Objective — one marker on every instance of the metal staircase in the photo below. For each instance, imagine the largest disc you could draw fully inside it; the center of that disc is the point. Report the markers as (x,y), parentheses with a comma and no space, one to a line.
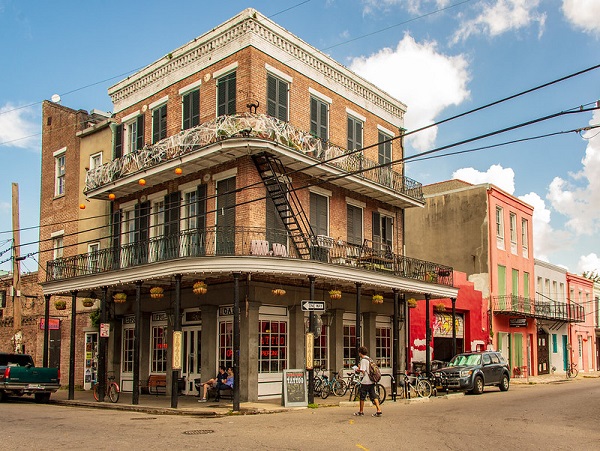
(273,174)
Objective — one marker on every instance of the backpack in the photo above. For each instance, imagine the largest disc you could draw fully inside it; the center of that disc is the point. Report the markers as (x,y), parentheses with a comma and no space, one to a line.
(374,371)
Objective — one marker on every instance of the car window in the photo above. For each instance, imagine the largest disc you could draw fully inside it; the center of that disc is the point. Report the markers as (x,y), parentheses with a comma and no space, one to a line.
(495,358)
(486,359)
(462,360)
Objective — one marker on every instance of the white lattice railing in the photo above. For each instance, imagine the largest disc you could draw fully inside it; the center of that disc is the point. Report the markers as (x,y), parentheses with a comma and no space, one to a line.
(258,126)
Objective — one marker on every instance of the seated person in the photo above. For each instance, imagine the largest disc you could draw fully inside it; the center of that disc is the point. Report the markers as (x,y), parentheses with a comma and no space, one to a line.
(228,385)
(214,382)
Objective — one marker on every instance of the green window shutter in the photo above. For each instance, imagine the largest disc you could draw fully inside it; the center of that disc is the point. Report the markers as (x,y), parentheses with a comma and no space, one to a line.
(376,227)
(501,280)
(277,99)
(172,203)
(515,282)
(118,144)
(271,96)
(191,109)
(554,343)
(323,120)
(314,122)
(354,225)
(318,214)
(201,207)
(318,118)
(221,98)
(384,148)
(354,133)
(159,124)
(226,93)
(140,132)
(282,98)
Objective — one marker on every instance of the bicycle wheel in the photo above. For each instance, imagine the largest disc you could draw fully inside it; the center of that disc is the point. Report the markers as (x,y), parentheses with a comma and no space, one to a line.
(317,385)
(340,388)
(325,391)
(113,392)
(380,392)
(354,393)
(424,388)
(95,391)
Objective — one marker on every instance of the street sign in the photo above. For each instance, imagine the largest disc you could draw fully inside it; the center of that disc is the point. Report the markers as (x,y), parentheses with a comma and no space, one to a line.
(313,306)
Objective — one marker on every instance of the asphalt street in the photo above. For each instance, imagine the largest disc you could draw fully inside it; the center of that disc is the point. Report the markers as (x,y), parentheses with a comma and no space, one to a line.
(555,416)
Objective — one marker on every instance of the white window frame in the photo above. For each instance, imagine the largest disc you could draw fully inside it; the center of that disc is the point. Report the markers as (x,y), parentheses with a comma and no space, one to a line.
(383,323)
(499,227)
(60,171)
(513,232)
(95,160)
(525,237)
(156,324)
(93,251)
(129,142)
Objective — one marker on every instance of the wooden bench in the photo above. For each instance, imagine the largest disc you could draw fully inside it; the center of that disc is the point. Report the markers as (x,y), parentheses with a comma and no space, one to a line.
(157,384)
(224,393)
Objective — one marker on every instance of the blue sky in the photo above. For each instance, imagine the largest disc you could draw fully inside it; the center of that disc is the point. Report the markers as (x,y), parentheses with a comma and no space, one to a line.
(440,57)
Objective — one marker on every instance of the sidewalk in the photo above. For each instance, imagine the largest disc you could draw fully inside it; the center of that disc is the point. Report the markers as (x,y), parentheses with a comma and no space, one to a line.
(556,377)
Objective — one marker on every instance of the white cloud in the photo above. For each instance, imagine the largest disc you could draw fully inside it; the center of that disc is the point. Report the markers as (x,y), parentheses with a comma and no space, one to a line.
(589,263)
(503,178)
(584,14)
(413,6)
(19,127)
(421,77)
(579,197)
(500,17)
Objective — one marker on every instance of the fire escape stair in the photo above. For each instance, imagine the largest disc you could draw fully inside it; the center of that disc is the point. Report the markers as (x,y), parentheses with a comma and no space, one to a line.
(288,206)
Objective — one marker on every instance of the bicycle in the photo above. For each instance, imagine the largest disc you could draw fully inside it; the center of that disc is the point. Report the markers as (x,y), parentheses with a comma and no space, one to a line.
(572,370)
(415,386)
(318,381)
(354,387)
(336,385)
(111,389)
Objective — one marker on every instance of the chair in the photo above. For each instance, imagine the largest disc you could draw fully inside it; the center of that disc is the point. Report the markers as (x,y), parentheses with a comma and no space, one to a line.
(259,247)
(280,250)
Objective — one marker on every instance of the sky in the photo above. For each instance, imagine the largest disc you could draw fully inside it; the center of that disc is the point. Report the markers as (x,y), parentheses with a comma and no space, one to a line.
(439,57)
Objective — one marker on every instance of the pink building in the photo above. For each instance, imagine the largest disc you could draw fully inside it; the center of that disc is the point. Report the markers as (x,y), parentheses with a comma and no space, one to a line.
(582,346)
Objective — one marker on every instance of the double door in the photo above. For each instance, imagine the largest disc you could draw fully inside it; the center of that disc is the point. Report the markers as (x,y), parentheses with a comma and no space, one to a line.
(191,357)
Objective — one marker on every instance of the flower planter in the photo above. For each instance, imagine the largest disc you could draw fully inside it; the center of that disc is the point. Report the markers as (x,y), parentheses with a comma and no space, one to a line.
(412,303)
(377,299)
(60,305)
(278,291)
(439,308)
(88,302)
(156,292)
(335,294)
(200,288)
(120,298)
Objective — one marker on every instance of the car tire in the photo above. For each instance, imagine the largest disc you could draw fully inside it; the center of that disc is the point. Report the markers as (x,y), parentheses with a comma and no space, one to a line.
(504,383)
(477,386)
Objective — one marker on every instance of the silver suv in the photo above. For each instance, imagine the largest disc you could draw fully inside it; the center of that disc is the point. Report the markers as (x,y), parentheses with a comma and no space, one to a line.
(472,371)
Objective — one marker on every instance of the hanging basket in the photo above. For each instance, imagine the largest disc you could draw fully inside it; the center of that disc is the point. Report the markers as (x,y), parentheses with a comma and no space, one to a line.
(200,287)
(60,305)
(412,303)
(278,291)
(157,292)
(88,302)
(439,308)
(120,298)
(335,294)
(377,299)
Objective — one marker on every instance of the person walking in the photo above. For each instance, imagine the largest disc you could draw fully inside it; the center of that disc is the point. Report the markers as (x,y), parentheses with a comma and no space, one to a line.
(367,386)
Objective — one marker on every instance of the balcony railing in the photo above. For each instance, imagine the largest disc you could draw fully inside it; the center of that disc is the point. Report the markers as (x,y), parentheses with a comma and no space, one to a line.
(258,126)
(239,241)
(543,309)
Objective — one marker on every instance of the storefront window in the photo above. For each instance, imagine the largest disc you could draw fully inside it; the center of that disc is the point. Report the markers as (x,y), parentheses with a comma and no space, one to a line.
(383,346)
(320,352)
(159,349)
(272,352)
(226,343)
(349,345)
(128,338)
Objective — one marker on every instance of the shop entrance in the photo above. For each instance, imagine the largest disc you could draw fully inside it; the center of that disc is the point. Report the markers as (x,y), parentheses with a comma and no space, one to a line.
(191,358)
(91,360)
(542,352)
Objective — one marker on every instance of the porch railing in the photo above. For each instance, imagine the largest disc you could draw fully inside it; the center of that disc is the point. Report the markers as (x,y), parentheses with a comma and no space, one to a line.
(244,241)
(543,309)
(258,126)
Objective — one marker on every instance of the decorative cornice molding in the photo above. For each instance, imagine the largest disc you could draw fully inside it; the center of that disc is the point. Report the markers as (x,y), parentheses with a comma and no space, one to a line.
(251,29)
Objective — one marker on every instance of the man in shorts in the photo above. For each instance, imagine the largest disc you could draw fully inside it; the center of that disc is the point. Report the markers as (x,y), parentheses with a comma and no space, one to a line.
(367,386)
(215,382)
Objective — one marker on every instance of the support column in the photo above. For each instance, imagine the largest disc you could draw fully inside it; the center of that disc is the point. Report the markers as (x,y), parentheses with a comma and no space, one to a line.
(395,334)
(72,345)
(102,347)
(176,329)
(453,326)
(45,358)
(427,335)
(357,332)
(407,310)
(135,396)
(236,341)
(311,329)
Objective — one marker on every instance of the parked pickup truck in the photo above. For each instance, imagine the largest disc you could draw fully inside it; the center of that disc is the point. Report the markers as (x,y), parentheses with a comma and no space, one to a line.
(19,376)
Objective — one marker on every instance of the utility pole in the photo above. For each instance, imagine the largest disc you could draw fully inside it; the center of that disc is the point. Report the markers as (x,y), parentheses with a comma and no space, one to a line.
(17,321)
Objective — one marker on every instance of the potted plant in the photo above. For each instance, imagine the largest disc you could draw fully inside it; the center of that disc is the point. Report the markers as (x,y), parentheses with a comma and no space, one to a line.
(439,307)
(95,318)
(156,292)
(278,291)
(335,294)
(377,299)
(88,302)
(60,304)
(200,287)
(412,303)
(120,298)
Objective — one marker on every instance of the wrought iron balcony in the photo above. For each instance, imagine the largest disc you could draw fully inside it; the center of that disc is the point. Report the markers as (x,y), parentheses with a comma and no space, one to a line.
(542,309)
(252,242)
(256,126)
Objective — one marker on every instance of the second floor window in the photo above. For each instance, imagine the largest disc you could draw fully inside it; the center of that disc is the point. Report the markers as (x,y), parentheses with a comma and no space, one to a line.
(319,214)
(385,148)
(60,170)
(355,133)
(96,160)
(159,123)
(319,118)
(129,136)
(525,237)
(354,224)
(277,98)
(499,227)
(58,246)
(226,89)
(382,232)
(191,109)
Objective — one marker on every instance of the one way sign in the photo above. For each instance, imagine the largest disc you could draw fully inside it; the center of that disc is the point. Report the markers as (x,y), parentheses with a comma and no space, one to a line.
(318,306)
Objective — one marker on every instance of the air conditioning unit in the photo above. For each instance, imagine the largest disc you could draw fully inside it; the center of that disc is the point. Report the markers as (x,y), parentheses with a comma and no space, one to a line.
(325,241)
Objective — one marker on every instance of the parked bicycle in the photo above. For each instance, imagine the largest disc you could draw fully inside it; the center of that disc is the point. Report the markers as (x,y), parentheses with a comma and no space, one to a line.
(354,387)
(318,381)
(111,389)
(415,386)
(335,384)
(572,370)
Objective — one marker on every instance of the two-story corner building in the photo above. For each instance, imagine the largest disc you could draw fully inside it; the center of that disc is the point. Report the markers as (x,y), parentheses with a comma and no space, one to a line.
(244,170)
(486,233)
(582,352)
(555,315)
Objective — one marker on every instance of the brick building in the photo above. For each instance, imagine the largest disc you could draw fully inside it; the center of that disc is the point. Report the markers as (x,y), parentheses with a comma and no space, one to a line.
(244,169)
